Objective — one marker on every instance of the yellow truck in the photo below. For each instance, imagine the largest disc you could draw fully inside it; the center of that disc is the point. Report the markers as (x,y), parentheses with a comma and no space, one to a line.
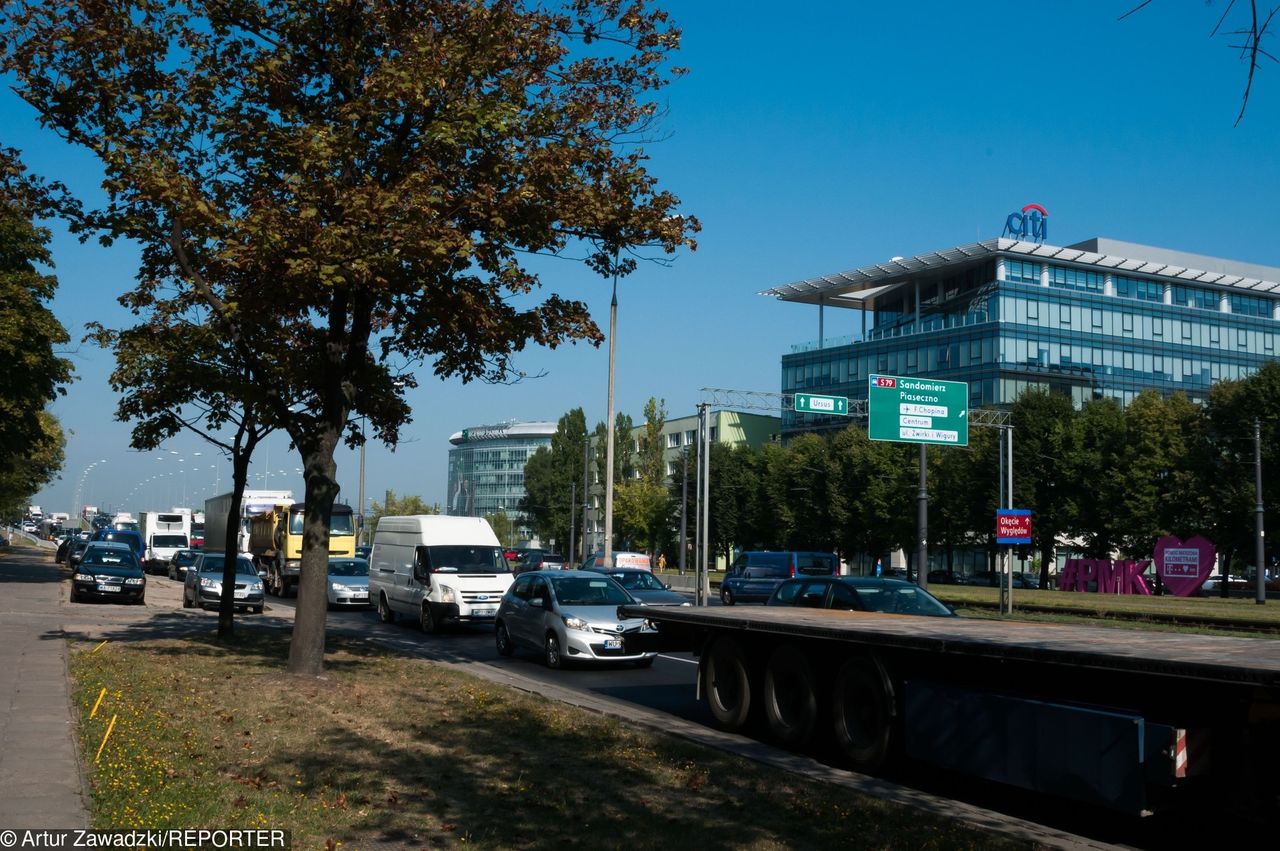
(275,542)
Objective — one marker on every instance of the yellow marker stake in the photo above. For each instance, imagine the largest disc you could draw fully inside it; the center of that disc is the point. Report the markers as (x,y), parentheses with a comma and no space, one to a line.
(99,647)
(110,727)
(101,695)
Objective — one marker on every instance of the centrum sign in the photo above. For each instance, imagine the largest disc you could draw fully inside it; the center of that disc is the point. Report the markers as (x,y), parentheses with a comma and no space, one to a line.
(917,410)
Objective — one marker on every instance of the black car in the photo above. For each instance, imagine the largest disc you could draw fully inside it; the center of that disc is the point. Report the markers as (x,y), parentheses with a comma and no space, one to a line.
(109,571)
(859,594)
(182,559)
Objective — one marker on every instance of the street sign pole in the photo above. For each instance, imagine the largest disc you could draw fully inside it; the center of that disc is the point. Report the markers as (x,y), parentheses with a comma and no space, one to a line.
(922,522)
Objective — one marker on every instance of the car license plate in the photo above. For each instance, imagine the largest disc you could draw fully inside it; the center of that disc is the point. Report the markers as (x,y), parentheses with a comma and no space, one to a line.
(240,595)
(486,612)
(114,589)
(613,644)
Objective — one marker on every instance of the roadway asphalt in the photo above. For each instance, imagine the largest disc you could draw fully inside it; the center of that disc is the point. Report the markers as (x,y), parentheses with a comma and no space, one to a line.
(42,785)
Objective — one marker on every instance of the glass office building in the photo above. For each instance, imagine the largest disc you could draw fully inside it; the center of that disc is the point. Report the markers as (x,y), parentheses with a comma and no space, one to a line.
(486,470)
(1098,318)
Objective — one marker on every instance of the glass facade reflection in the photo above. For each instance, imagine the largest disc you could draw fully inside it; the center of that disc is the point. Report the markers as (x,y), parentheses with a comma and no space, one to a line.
(486,470)
(1085,320)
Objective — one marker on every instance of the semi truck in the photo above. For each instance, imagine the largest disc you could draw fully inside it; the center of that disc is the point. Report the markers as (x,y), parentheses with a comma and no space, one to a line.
(164,533)
(218,508)
(275,542)
(1129,720)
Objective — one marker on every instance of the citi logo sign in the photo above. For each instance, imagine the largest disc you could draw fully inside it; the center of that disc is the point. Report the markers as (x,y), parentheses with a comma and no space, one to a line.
(1031,223)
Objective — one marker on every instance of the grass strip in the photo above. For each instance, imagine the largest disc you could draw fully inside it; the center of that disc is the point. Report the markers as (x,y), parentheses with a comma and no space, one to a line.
(387,750)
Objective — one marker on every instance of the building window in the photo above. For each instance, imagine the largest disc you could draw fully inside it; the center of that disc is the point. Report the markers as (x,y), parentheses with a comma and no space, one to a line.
(1076,279)
(1250,305)
(1033,310)
(689,437)
(1096,316)
(1064,315)
(673,440)
(1021,272)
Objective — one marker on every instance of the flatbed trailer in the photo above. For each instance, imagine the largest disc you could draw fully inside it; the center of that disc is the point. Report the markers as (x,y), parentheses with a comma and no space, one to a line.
(1130,720)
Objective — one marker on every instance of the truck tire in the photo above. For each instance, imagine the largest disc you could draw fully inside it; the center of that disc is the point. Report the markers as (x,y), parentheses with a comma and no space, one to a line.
(385,613)
(728,684)
(862,712)
(790,696)
(428,621)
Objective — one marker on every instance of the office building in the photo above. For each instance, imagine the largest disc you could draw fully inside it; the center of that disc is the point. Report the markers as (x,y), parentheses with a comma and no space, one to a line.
(486,470)
(1100,318)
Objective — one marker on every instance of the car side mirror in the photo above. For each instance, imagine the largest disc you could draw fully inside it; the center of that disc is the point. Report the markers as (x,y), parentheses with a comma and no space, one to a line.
(262,574)
(667,585)
(538,603)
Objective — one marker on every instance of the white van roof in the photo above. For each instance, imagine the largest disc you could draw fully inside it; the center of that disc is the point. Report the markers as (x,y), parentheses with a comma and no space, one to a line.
(437,529)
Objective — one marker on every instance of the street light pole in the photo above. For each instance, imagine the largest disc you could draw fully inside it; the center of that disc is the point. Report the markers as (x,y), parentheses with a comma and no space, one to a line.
(362,538)
(608,451)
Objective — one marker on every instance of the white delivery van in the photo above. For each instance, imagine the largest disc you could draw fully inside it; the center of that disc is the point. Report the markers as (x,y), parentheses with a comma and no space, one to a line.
(437,569)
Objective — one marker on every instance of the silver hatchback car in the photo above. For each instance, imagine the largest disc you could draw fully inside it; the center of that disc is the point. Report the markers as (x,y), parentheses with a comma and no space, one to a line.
(572,615)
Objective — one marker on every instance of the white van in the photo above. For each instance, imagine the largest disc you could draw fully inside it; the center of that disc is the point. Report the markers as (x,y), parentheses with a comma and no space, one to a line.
(437,569)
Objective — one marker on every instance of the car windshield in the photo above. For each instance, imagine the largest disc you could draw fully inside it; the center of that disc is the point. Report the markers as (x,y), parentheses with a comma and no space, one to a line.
(168,540)
(213,564)
(581,591)
(184,557)
(110,558)
(464,559)
(339,523)
(902,600)
(638,580)
(349,567)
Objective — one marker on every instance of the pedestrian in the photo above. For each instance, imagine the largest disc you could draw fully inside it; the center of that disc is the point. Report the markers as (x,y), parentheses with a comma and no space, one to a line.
(879,568)
(662,561)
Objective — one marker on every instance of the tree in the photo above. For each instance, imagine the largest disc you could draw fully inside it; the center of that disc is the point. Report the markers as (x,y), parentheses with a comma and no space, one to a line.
(553,477)
(1096,442)
(175,372)
(352,188)
(1251,33)
(641,505)
(502,525)
(1042,431)
(31,440)
(398,506)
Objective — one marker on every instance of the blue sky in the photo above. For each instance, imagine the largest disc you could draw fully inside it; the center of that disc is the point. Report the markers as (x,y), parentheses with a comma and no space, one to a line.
(809,138)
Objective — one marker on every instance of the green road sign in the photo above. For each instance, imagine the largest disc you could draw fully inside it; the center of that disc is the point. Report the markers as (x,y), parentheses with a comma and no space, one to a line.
(917,410)
(810,403)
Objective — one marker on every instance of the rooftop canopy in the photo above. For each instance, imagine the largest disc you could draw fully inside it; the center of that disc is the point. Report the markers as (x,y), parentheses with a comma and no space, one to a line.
(859,288)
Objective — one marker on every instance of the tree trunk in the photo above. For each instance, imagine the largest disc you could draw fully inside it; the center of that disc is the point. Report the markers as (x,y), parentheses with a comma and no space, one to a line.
(306,651)
(227,603)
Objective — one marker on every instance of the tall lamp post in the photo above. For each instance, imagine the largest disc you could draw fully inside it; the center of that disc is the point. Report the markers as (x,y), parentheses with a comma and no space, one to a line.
(608,450)
(80,486)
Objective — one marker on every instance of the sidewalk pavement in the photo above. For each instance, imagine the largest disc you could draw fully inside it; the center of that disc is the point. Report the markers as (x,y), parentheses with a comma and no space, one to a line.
(41,785)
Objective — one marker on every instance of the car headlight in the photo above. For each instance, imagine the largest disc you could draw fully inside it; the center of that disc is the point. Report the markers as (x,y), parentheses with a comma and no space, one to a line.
(447,595)
(686,603)
(83,577)
(573,622)
(337,586)
(255,586)
(134,580)
(211,584)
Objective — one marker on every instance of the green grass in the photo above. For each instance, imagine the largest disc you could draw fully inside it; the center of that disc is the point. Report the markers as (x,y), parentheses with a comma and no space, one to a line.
(388,749)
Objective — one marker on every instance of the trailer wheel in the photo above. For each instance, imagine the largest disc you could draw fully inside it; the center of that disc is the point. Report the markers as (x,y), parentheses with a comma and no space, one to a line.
(728,684)
(862,712)
(384,611)
(790,696)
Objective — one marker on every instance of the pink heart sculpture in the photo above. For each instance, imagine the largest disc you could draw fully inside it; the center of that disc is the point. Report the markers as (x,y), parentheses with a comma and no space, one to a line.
(1183,566)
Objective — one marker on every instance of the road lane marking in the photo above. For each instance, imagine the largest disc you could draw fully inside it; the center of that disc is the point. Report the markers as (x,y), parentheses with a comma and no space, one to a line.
(677,659)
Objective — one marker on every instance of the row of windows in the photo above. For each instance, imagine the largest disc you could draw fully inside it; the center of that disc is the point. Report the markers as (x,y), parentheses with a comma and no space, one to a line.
(674,438)
(1109,361)
(1221,334)
(1140,289)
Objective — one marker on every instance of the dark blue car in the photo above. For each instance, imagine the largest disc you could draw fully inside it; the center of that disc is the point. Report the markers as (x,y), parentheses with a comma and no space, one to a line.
(124,536)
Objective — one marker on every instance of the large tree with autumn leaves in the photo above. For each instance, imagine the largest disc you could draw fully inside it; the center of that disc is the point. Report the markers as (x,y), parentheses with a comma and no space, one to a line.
(355,187)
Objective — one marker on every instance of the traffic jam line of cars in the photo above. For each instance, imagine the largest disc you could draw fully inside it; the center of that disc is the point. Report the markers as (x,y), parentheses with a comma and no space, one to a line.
(441,570)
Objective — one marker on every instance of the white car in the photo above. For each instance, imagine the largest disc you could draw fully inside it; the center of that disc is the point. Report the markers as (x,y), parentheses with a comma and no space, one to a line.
(570,616)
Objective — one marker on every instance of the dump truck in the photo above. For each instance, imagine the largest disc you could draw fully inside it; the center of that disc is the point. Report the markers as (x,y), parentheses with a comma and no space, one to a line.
(1133,721)
(252,502)
(275,542)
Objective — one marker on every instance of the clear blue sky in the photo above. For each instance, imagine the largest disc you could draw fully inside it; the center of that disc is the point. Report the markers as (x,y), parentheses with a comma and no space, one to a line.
(809,138)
